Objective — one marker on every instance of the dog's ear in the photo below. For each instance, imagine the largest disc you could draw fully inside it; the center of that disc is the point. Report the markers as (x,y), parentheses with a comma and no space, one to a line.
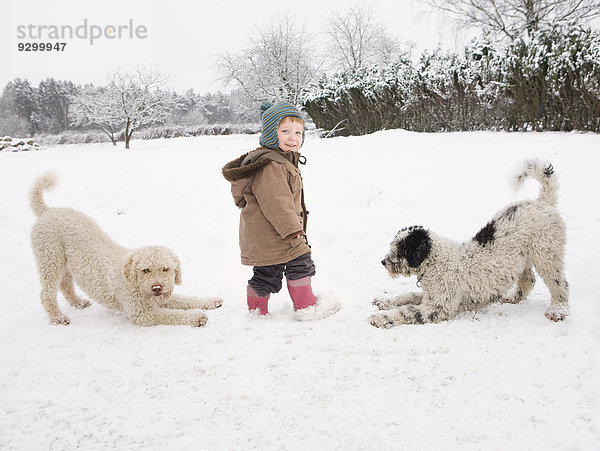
(417,245)
(129,271)
(177,269)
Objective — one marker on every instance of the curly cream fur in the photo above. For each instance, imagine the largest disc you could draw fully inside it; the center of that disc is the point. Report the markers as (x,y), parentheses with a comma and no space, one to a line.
(456,277)
(70,248)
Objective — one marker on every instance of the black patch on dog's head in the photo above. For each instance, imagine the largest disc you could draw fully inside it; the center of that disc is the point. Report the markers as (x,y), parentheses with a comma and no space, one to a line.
(416,246)
(486,235)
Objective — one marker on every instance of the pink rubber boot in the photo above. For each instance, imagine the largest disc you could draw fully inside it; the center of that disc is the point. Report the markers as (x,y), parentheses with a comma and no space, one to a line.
(301,293)
(307,307)
(256,303)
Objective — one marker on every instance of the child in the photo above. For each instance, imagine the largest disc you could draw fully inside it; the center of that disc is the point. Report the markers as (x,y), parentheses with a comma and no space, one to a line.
(267,185)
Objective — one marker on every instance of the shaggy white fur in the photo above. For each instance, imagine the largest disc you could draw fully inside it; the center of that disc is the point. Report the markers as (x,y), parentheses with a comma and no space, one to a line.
(69,248)
(455,277)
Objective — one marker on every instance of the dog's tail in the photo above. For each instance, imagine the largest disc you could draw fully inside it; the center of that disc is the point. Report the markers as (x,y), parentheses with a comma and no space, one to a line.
(543,173)
(36,199)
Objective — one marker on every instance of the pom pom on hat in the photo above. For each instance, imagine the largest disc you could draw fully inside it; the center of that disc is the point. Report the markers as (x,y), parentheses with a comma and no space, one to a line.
(271,116)
(264,107)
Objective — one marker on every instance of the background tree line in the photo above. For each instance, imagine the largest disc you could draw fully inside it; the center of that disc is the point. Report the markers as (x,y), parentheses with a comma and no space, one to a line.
(56,106)
(530,68)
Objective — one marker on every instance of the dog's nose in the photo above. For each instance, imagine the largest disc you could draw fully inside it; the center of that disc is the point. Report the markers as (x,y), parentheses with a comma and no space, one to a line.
(383,262)
(157,288)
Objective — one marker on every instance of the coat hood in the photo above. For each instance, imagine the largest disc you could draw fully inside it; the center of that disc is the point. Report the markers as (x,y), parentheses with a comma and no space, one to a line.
(253,162)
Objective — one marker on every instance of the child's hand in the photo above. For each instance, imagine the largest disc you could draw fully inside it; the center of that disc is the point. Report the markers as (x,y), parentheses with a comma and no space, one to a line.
(293,236)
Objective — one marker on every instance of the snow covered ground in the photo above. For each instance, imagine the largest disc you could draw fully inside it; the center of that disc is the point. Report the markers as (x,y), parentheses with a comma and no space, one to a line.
(502,378)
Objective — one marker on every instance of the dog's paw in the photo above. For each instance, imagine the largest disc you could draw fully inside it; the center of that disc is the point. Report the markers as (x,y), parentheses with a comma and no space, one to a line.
(381,304)
(199,321)
(381,320)
(509,300)
(215,303)
(61,319)
(83,303)
(555,316)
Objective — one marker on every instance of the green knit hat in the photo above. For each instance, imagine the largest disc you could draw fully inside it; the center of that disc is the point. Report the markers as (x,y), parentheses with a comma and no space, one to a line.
(270,116)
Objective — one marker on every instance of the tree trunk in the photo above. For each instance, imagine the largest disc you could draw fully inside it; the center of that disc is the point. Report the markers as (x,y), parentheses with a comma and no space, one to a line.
(530,17)
(127,133)
(108,130)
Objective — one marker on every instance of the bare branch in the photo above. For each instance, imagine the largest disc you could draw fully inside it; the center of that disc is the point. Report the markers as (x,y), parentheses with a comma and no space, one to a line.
(278,64)
(356,39)
(132,99)
(511,18)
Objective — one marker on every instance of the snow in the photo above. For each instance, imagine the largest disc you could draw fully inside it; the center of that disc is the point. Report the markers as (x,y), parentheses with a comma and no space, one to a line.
(502,378)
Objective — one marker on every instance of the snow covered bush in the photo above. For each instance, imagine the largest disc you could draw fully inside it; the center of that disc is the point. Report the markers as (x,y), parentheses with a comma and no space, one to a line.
(438,93)
(73,137)
(549,81)
(175,131)
(161,131)
(357,101)
(553,80)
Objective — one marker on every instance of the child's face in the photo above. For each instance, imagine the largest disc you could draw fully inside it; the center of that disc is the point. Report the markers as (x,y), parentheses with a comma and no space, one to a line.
(290,134)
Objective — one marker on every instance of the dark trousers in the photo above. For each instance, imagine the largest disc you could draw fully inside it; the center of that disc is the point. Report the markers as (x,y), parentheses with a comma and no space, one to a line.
(267,279)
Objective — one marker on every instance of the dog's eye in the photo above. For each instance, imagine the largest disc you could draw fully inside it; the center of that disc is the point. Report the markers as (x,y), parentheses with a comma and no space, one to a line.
(165,269)
(145,271)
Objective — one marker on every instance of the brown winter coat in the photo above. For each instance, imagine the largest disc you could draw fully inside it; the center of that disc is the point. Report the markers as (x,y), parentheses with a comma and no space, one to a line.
(267,185)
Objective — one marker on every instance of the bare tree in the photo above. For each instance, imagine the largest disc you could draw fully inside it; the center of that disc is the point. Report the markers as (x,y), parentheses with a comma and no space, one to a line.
(132,99)
(511,18)
(94,106)
(356,39)
(278,64)
(139,97)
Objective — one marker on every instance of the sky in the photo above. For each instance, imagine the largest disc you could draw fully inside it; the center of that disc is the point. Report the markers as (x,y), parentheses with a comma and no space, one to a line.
(181,38)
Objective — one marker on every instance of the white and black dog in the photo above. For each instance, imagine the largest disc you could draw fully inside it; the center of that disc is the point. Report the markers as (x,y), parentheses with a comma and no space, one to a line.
(456,277)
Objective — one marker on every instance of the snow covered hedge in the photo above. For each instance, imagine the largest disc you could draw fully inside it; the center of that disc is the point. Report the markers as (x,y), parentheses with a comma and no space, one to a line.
(548,82)
(174,131)
(162,131)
